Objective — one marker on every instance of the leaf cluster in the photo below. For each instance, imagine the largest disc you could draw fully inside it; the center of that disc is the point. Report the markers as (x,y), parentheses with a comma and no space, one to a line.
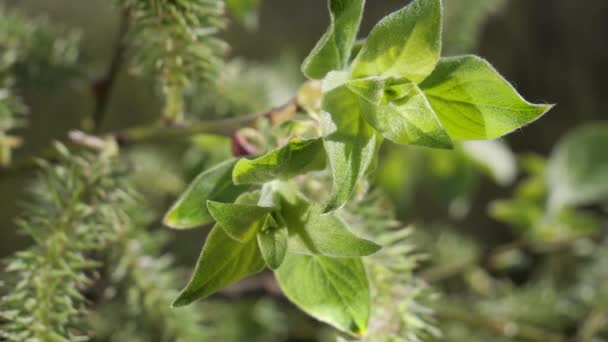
(395,87)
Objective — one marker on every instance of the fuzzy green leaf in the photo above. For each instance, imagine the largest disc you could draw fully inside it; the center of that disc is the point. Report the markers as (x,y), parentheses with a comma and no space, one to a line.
(240,221)
(350,143)
(400,112)
(272,240)
(578,168)
(474,102)
(406,43)
(223,262)
(333,290)
(333,51)
(310,232)
(295,158)
(215,184)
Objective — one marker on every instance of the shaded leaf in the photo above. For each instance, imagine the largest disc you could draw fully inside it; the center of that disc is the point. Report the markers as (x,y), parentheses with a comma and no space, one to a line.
(223,262)
(333,290)
(350,143)
(310,232)
(474,102)
(272,241)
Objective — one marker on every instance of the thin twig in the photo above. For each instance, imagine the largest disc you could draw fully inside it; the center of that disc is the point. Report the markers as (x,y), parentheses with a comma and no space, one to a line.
(221,127)
(103,87)
(157,134)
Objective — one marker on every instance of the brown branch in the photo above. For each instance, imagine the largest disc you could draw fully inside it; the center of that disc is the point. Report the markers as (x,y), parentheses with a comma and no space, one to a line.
(102,88)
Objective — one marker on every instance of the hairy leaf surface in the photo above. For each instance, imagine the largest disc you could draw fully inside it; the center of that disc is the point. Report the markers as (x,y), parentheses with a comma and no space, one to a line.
(240,221)
(215,184)
(333,290)
(333,51)
(400,112)
(474,102)
(222,262)
(407,43)
(295,158)
(350,143)
(310,232)
(272,241)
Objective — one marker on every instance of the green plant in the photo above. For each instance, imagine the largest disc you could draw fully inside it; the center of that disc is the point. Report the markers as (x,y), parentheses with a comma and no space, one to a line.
(396,87)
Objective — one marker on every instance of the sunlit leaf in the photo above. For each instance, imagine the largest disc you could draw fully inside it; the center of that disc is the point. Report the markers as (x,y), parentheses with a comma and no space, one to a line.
(333,51)
(407,43)
(474,102)
(295,158)
(215,184)
(400,112)
(333,290)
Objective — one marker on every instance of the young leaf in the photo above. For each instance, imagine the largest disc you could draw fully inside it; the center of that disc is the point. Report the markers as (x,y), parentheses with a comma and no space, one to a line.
(333,290)
(240,221)
(190,210)
(332,52)
(223,262)
(313,233)
(272,240)
(350,143)
(406,43)
(474,102)
(400,112)
(295,158)
(578,168)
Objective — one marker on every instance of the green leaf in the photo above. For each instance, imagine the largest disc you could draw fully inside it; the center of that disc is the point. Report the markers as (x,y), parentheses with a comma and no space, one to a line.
(474,102)
(240,221)
(350,143)
(272,240)
(406,43)
(223,262)
(400,112)
(295,158)
(215,184)
(333,290)
(578,167)
(333,51)
(310,232)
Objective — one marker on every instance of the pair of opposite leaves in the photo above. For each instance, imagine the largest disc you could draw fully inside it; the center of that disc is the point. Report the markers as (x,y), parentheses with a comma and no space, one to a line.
(315,257)
(395,87)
